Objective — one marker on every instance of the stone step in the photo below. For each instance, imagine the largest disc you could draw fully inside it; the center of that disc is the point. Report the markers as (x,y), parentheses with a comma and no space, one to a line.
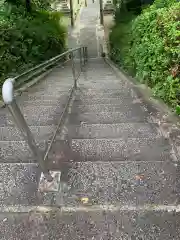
(64,7)
(18,151)
(60,81)
(112,108)
(59,86)
(123,130)
(88,94)
(115,149)
(54,103)
(131,149)
(117,183)
(57,92)
(19,183)
(129,116)
(36,116)
(48,88)
(107,98)
(45,97)
(101,76)
(97,79)
(100,82)
(50,223)
(87,79)
(40,133)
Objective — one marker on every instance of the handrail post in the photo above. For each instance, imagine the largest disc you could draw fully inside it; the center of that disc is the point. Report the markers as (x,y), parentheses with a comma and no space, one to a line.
(80,56)
(84,61)
(22,125)
(73,70)
(86,54)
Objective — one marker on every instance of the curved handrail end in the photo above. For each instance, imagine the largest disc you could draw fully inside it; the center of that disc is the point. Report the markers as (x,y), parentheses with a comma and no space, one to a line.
(8,90)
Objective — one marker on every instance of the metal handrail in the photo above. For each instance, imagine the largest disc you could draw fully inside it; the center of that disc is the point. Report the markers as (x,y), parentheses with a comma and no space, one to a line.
(9,100)
(42,67)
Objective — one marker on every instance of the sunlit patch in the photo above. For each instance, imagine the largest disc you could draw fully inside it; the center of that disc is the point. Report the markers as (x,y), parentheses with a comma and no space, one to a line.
(84,200)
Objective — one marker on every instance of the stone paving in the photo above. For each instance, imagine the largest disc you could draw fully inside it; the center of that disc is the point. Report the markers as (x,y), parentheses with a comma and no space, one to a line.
(119,172)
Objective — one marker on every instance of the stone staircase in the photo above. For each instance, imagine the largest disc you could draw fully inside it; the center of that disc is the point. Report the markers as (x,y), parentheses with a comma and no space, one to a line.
(41,105)
(109,7)
(62,6)
(118,172)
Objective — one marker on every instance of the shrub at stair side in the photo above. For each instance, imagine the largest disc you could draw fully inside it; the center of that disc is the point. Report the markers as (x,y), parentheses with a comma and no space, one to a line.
(28,38)
(148,46)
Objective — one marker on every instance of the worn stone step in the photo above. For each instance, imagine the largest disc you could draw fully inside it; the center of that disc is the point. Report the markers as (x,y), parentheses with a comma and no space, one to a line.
(37,116)
(118,107)
(87,80)
(102,86)
(58,88)
(18,151)
(100,73)
(117,183)
(53,89)
(105,93)
(40,133)
(123,130)
(93,96)
(45,100)
(54,103)
(54,224)
(99,70)
(19,183)
(57,92)
(45,97)
(101,80)
(104,99)
(134,149)
(108,117)
(60,85)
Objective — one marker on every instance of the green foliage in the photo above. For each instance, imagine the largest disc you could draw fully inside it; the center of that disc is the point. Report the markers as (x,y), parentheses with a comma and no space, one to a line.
(119,40)
(41,4)
(124,8)
(148,46)
(178,109)
(35,4)
(28,39)
(162,3)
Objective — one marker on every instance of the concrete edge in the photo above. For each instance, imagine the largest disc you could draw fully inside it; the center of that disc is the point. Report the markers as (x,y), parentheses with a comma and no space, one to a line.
(23,88)
(168,121)
(44,209)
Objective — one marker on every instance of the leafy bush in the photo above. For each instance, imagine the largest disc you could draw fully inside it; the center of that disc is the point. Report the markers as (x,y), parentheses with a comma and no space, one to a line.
(162,3)
(28,39)
(150,48)
(119,40)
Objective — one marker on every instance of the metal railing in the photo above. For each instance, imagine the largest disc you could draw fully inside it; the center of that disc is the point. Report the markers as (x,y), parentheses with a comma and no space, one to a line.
(8,96)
